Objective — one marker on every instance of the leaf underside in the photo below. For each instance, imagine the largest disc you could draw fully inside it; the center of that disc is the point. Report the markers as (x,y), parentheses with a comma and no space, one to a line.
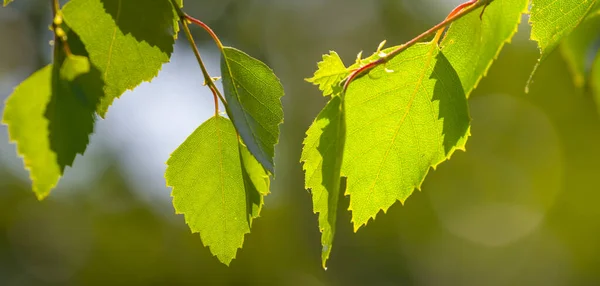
(51,114)
(253,94)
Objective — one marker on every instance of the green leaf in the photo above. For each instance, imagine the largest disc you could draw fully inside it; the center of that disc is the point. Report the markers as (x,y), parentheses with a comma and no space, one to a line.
(6,2)
(217,185)
(50,117)
(253,94)
(578,50)
(51,114)
(322,157)
(126,43)
(472,44)
(28,128)
(71,111)
(331,71)
(552,20)
(400,124)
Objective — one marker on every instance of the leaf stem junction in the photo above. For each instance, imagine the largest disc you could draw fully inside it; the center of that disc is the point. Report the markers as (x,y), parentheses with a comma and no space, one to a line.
(458,12)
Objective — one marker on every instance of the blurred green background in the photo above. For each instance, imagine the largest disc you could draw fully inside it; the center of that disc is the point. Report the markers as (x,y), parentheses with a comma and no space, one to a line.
(520,207)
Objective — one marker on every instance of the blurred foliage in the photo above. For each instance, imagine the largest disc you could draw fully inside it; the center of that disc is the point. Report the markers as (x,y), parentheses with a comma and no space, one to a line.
(518,208)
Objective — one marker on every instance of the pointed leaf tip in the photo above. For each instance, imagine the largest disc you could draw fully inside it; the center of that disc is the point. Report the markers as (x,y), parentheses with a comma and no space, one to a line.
(322,157)
(218,186)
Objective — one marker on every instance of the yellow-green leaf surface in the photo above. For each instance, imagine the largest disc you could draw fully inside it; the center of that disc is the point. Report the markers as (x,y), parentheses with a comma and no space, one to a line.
(579,50)
(28,128)
(127,40)
(217,185)
(50,117)
(322,157)
(399,125)
(331,71)
(6,2)
(472,44)
(253,94)
(51,114)
(552,20)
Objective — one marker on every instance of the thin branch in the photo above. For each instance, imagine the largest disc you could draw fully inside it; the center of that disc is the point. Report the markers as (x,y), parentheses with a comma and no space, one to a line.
(207,29)
(207,78)
(459,12)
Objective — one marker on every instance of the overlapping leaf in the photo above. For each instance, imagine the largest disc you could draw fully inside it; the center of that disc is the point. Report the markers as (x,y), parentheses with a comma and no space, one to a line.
(253,94)
(399,120)
(322,157)
(472,44)
(51,114)
(217,185)
(553,20)
(128,41)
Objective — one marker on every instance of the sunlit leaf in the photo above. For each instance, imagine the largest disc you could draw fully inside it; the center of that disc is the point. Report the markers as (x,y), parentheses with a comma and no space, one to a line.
(128,41)
(217,185)
(6,2)
(330,73)
(472,44)
(399,125)
(322,157)
(253,94)
(553,20)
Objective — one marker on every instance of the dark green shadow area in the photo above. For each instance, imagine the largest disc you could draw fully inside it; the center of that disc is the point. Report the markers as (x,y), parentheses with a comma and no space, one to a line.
(331,148)
(71,111)
(454,109)
(148,21)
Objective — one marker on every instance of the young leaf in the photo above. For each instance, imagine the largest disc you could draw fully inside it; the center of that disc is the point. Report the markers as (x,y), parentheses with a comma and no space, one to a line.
(217,185)
(578,49)
(322,157)
(472,44)
(552,20)
(402,119)
(331,71)
(128,41)
(254,94)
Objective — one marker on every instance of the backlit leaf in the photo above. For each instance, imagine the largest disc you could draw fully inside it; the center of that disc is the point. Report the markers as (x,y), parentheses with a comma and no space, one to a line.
(552,20)
(217,185)
(331,71)
(322,157)
(472,44)
(128,41)
(254,94)
(51,114)
(400,124)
